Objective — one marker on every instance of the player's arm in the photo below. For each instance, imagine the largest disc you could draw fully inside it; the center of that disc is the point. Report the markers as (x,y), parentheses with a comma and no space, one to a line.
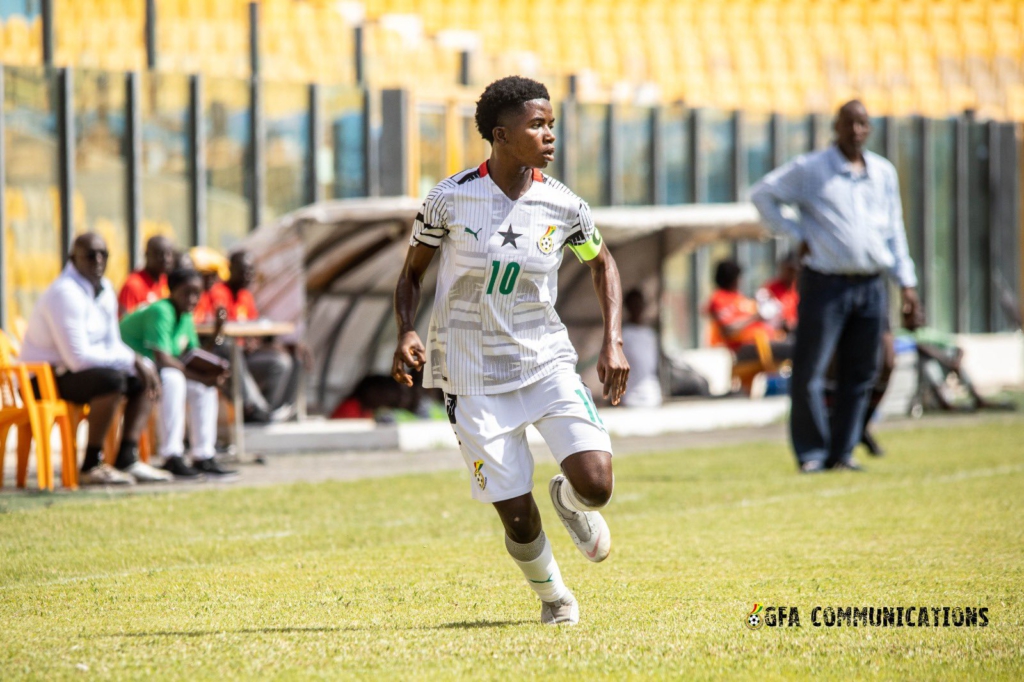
(612,366)
(410,351)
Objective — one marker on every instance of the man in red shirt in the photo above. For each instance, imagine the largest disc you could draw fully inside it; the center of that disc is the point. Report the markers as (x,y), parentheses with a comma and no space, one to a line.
(234,295)
(149,284)
(269,380)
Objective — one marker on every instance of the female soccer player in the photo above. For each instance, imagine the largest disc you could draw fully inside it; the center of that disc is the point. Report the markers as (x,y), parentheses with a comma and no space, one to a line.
(496,346)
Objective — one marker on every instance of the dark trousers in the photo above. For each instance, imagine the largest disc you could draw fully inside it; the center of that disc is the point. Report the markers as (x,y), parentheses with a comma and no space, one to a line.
(843,316)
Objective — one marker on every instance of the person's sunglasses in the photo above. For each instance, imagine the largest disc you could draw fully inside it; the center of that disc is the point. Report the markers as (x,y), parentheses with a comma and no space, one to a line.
(97,254)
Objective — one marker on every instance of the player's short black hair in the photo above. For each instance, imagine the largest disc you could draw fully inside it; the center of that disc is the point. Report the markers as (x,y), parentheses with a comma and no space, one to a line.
(504,95)
(727,274)
(178,277)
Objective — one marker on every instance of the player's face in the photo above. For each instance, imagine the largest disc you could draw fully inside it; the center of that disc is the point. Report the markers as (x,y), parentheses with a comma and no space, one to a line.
(529,135)
(853,126)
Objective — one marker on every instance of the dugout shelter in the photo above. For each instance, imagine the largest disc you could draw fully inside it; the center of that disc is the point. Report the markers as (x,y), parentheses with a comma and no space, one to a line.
(331,268)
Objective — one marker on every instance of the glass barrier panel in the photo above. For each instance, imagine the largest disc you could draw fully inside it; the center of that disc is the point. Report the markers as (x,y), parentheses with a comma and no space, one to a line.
(876,140)
(634,155)
(166,195)
(978,258)
(286,112)
(717,144)
(675,138)
(228,162)
(757,146)
(341,161)
(757,258)
(432,148)
(908,164)
(941,298)
(797,136)
(592,154)
(101,167)
(475,149)
(677,313)
(32,234)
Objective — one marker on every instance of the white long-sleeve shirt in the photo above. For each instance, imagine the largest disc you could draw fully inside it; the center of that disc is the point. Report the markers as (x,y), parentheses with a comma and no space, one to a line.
(73,328)
(852,221)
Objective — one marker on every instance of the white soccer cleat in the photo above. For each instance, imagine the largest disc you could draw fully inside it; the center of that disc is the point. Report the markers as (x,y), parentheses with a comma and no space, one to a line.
(144,473)
(565,611)
(587,529)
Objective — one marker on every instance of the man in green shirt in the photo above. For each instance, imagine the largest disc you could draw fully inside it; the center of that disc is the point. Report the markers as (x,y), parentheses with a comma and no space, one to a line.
(163,332)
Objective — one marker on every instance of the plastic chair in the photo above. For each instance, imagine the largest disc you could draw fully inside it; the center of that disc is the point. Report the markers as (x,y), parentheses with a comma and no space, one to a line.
(14,415)
(35,418)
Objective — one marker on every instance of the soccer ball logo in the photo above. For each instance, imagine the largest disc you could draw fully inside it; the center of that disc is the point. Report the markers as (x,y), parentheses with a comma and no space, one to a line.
(546,244)
(754,619)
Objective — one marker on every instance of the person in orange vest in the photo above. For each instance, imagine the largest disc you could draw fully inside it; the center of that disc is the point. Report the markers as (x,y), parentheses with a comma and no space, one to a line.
(148,284)
(737,321)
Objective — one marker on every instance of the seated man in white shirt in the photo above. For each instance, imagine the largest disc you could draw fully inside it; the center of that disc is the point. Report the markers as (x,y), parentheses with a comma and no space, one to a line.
(640,344)
(74,328)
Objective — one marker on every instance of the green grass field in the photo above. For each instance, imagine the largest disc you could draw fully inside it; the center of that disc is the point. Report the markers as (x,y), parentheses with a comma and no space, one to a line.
(408,578)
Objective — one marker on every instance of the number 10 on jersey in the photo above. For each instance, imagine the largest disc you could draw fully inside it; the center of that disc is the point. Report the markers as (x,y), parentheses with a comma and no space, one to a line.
(508,278)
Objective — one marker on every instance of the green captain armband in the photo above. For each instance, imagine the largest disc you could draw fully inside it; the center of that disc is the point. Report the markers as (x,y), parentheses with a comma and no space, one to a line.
(589,249)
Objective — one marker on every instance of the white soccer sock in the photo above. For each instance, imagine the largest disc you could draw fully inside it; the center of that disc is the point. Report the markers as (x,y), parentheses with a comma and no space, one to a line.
(538,564)
(571,499)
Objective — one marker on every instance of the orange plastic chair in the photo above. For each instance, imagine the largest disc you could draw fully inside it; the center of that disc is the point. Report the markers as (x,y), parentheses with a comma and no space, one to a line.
(39,415)
(14,415)
(745,372)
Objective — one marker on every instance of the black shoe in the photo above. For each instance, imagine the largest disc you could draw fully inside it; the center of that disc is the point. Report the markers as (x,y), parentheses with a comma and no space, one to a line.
(848,465)
(868,441)
(214,470)
(257,415)
(813,466)
(176,465)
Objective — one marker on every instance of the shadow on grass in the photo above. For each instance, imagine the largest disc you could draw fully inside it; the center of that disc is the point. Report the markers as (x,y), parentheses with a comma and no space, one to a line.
(475,624)
(243,631)
(461,625)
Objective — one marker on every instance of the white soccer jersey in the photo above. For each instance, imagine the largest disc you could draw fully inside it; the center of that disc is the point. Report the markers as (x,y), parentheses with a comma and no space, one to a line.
(494,328)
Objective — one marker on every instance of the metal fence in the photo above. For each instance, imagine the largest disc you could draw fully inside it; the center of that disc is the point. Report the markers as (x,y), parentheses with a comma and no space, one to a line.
(204,160)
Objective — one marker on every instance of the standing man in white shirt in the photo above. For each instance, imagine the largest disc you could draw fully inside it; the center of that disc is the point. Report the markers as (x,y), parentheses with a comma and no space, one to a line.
(851,227)
(497,348)
(74,328)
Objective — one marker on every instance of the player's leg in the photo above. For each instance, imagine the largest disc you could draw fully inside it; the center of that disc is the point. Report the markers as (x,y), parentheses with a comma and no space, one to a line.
(492,439)
(584,487)
(572,428)
(529,547)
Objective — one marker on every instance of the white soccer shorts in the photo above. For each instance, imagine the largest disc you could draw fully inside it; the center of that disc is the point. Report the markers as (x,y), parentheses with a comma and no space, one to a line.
(492,431)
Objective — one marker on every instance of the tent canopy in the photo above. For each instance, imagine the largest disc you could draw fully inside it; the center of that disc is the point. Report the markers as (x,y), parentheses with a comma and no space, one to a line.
(331,268)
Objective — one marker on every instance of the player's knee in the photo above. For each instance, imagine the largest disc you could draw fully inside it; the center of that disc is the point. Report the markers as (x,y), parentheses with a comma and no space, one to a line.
(595,492)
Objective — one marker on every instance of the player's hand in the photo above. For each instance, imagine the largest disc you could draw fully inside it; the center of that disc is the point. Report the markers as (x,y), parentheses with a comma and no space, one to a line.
(410,353)
(913,312)
(613,371)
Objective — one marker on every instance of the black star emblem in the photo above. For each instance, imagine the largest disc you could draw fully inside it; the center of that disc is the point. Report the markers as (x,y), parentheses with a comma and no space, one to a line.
(510,237)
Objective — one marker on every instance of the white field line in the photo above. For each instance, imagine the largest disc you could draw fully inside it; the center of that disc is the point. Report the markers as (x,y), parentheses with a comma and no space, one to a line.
(956,477)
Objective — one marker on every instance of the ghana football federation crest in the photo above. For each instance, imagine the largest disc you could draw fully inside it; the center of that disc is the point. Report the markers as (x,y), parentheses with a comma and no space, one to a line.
(754,618)
(546,244)
(478,474)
